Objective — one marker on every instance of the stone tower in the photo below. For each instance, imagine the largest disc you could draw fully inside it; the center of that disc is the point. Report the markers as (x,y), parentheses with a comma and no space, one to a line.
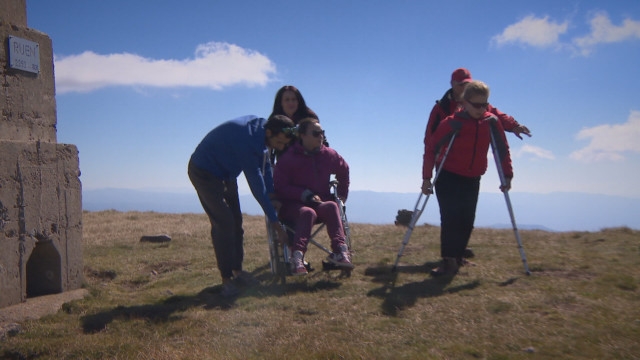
(40,190)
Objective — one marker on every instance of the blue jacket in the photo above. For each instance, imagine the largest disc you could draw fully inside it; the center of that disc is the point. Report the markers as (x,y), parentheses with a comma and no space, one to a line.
(237,146)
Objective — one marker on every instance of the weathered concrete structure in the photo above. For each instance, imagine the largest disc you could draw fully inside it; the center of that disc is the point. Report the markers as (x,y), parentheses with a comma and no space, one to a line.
(40,190)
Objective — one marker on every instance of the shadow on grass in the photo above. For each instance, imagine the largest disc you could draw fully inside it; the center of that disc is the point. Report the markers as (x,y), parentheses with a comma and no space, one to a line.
(209,298)
(399,298)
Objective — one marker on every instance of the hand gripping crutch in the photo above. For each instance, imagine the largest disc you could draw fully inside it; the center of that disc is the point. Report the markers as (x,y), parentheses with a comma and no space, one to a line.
(421,204)
(498,159)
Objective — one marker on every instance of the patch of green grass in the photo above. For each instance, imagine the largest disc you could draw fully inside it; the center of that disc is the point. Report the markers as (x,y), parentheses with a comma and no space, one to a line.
(621,281)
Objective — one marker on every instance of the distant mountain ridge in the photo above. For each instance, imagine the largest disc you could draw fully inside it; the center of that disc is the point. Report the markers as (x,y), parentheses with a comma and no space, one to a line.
(561,211)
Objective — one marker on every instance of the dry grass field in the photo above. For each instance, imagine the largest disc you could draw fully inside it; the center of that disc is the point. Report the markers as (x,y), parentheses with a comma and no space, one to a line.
(162,300)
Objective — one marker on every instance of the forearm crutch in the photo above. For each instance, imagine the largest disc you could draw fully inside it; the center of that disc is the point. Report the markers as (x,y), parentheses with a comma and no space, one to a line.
(498,159)
(420,205)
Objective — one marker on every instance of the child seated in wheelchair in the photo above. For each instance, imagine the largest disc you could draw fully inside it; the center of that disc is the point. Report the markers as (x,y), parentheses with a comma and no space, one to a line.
(302,184)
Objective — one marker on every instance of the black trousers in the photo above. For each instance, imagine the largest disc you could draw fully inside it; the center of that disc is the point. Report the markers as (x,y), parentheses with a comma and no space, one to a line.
(220,201)
(457,197)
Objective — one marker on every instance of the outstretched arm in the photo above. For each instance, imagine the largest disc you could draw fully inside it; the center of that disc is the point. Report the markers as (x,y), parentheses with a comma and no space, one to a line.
(509,123)
(521,129)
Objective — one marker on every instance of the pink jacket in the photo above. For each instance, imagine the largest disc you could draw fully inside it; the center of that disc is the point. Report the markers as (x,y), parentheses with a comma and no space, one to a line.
(299,173)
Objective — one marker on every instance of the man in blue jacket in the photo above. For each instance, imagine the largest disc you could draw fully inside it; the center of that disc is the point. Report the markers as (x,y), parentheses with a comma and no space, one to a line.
(235,146)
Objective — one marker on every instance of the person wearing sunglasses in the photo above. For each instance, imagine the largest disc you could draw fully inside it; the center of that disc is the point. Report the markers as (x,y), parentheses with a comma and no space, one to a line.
(458,183)
(450,103)
(235,146)
(301,180)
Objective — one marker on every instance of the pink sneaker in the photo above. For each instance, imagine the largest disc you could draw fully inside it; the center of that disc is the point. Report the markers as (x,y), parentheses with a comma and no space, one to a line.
(341,259)
(297,264)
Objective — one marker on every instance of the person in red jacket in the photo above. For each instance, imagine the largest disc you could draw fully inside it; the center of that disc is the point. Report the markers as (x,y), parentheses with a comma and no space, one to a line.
(458,182)
(301,181)
(450,103)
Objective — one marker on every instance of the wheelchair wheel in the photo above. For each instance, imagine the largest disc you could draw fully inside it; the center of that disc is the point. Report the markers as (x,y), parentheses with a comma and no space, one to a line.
(282,266)
(279,267)
(345,225)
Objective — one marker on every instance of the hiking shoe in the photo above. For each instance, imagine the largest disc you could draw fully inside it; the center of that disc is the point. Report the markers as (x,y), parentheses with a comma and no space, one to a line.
(297,264)
(341,259)
(229,290)
(243,278)
(464,262)
(468,253)
(449,267)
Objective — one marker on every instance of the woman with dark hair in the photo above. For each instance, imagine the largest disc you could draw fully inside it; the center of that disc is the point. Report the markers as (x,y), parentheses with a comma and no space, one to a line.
(301,179)
(289,102)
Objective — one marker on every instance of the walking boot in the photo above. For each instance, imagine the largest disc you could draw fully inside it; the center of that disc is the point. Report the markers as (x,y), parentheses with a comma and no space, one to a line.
(449,267)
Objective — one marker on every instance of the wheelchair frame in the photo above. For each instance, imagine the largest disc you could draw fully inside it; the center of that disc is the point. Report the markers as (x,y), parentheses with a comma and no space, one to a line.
(280,254)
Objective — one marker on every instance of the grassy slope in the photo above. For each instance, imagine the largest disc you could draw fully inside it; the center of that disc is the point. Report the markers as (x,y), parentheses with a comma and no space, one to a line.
(162,301)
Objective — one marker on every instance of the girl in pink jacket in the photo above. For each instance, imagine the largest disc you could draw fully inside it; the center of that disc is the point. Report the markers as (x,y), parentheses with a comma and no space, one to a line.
(301,180)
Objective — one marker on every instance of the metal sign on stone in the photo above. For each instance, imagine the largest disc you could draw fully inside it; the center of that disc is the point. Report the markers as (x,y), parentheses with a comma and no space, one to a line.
(24,55)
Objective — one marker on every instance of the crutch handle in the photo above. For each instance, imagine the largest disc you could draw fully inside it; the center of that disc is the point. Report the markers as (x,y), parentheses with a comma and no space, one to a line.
(427,187)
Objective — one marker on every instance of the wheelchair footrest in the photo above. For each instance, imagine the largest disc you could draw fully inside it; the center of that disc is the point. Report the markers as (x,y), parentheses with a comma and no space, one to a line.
(308,266)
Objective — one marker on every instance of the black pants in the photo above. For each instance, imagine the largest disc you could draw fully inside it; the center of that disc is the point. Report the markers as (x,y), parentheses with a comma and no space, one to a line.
(220,201)
(457,196)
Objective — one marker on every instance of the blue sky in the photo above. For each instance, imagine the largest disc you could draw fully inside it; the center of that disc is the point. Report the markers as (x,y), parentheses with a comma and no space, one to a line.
(140,83)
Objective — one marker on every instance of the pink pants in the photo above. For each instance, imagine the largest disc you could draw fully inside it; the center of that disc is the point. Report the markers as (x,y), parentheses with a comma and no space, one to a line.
(304,217)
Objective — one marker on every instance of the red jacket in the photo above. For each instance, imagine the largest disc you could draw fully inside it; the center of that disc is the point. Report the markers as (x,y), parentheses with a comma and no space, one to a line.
(448,105)
(468,154)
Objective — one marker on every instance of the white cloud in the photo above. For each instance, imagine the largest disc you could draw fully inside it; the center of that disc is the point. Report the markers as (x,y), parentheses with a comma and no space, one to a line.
(535,151)
(215,65)
(603,31)
(610,142)
(538,32)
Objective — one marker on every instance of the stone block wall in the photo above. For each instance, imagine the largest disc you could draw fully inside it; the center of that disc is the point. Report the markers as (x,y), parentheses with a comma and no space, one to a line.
(40,189)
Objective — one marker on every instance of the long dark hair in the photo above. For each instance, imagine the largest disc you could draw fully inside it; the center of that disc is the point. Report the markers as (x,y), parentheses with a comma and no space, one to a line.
(303,110)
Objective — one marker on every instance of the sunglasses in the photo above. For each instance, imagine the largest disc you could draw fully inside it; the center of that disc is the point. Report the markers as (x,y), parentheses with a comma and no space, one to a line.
(317,133)
(478,105)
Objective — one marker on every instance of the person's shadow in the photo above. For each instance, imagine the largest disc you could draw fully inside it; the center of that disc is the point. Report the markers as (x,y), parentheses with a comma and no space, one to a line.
(397,298)
(171,308)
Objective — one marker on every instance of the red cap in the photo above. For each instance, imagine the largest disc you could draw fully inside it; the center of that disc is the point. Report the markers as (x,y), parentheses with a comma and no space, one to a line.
(461,75)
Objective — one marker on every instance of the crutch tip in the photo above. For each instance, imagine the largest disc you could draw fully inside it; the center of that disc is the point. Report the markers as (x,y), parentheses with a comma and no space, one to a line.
(394,269)
(528,272)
